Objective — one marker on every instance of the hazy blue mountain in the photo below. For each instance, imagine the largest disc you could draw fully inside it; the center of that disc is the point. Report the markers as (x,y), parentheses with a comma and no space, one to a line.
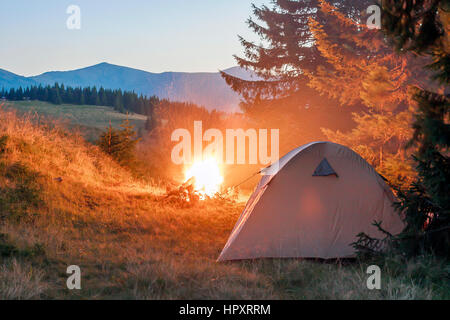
(242,73)
(207,89)
(10,80)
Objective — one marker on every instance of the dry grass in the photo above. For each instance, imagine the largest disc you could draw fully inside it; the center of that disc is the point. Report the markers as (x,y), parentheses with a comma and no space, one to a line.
(20,281)
(132,245)
(91,119)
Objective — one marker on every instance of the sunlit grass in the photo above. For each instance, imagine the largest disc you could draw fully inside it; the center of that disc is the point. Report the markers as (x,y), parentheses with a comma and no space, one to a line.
(91,120)
(130,244)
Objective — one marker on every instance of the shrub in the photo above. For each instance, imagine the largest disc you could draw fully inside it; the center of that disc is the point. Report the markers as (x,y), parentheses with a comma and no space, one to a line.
(21,193)
(120,144)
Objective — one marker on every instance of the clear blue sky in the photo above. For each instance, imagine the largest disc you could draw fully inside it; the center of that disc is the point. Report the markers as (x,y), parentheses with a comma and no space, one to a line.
(153,35)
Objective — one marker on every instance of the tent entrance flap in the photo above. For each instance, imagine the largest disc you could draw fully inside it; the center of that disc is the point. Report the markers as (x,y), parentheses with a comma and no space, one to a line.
(324,169)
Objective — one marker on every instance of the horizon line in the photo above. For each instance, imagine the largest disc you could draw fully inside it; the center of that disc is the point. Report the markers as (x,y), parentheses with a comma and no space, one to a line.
(117,65)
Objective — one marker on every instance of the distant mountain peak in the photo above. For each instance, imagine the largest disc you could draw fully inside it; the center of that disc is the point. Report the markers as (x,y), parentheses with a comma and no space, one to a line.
(208,89)
(10,80)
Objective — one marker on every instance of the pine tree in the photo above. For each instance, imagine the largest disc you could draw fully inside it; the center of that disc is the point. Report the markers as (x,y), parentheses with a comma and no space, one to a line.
(287,50)
(360,68)
(118,101)
(103,97)
(95,99)
(422,27)
(54,94)
(279,96)
(58,94)
(120,144)
(82,98)
(19,94)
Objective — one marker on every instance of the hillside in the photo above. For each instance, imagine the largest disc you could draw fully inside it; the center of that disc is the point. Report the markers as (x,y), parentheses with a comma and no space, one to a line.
(63,202)
(90,120)
(207,89)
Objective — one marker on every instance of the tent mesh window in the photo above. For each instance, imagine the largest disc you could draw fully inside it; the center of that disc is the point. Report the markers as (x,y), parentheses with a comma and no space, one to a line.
(324,169)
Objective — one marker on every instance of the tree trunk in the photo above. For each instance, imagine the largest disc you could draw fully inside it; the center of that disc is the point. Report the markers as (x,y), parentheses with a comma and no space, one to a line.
(381,156)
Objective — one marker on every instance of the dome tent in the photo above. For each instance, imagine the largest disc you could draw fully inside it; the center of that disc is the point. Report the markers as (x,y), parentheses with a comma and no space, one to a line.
(311,204)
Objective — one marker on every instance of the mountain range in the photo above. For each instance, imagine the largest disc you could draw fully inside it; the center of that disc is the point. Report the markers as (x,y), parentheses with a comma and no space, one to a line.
(208,89)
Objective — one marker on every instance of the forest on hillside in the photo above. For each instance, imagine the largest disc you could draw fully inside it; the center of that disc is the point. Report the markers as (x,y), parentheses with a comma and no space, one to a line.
(122,101)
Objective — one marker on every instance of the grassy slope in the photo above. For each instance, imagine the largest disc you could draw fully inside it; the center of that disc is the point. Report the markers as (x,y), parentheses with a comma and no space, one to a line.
(131,243)
(91,120)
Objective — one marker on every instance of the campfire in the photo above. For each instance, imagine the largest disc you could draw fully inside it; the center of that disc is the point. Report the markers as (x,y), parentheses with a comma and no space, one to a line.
(205,176)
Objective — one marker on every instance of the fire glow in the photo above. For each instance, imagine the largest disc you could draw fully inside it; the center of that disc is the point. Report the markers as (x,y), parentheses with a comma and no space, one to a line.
(206,177)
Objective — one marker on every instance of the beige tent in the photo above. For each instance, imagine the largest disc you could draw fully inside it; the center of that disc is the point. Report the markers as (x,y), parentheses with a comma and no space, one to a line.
(312,204)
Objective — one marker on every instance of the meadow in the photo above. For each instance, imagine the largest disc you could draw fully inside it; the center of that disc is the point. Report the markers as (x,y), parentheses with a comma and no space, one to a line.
(64,202)
(89,120)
